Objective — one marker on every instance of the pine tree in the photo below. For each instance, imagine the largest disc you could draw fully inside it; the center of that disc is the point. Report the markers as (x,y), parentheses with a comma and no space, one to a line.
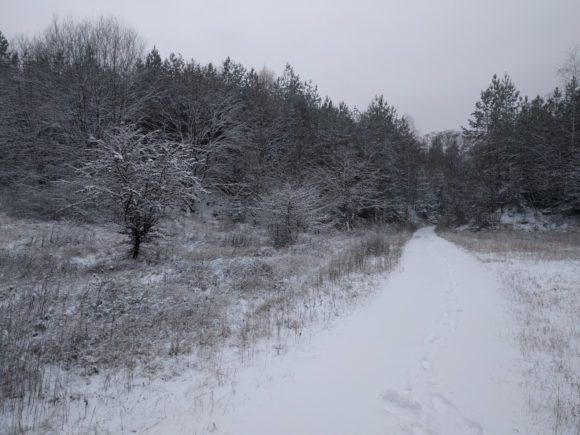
(494,145)
(3,46)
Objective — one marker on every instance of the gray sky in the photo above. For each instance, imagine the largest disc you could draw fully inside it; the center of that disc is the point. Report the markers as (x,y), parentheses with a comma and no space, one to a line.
(429,58)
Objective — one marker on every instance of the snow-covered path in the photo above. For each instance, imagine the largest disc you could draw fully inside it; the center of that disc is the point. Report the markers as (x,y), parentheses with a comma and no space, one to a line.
(431,353)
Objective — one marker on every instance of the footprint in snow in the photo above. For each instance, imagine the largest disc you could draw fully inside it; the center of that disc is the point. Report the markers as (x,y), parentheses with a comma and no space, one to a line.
(432,338)
(441,404)
(451,416)
(437,415)
(399,405)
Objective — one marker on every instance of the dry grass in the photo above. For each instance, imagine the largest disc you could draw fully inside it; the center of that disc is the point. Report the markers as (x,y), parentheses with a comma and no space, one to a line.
(541,276)
(506,244)
(72,303)
(320,285)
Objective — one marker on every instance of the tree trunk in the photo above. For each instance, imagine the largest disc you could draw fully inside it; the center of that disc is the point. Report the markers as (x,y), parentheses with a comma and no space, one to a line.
(136,244)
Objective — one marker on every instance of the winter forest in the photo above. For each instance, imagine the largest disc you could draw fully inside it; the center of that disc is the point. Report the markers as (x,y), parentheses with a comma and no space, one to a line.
(154,207)
(87,114)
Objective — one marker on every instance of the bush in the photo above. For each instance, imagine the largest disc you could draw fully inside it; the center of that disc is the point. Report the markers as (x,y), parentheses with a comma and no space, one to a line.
(288,210)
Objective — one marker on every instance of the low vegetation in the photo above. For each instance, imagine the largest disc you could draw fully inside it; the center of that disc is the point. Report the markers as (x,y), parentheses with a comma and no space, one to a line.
(72,302)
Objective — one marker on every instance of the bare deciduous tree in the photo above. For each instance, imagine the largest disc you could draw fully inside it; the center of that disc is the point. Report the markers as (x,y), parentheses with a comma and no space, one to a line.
(141,177)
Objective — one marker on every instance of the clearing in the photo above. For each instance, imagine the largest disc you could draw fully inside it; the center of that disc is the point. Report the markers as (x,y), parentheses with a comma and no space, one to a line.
(432,353)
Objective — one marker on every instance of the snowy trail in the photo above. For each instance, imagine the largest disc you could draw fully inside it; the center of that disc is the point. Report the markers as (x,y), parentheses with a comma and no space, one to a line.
(430,354)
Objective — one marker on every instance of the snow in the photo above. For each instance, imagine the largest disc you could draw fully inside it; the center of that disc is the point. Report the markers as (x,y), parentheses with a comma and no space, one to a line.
(546,303)
(528,219)
(525,219)
(432,353)
(85,261)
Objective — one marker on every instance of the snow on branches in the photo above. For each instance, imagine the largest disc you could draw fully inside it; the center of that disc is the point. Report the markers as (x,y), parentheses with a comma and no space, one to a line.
(141,175)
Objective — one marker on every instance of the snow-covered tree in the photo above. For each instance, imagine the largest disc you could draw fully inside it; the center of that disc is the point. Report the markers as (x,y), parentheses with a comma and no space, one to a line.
(348,184)
(427,204)
(492,130)
(140,177)
(3,46)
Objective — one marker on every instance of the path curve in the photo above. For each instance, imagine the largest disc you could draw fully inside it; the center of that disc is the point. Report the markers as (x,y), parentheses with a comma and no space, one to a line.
(431,353)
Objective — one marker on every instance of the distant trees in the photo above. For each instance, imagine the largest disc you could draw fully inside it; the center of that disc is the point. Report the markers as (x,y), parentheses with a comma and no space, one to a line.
(392,152)
(570,72)
(264,141)
(515,152)
(427,205)
(243,132)
(92,65)
(6,76)
(348,185)
(66,87)
(447,159)
(3,46)
(492,132)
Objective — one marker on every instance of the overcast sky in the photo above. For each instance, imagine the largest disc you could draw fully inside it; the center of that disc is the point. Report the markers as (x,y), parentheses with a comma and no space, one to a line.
(429,58)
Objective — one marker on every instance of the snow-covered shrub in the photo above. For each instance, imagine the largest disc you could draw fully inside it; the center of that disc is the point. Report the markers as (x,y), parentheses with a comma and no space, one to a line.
(288,210)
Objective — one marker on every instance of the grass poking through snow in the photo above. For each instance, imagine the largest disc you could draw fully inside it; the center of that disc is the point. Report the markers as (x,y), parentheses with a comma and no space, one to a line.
(74,307)
(541,276)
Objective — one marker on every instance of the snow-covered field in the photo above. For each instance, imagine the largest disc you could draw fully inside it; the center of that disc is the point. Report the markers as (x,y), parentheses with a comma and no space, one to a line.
(540,276)
(431,353)
(82,327)
(481,340)
(428,355)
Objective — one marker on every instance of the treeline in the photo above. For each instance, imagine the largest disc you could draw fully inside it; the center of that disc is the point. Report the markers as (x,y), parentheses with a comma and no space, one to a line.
(515,152)
(84,107)
(252,137)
